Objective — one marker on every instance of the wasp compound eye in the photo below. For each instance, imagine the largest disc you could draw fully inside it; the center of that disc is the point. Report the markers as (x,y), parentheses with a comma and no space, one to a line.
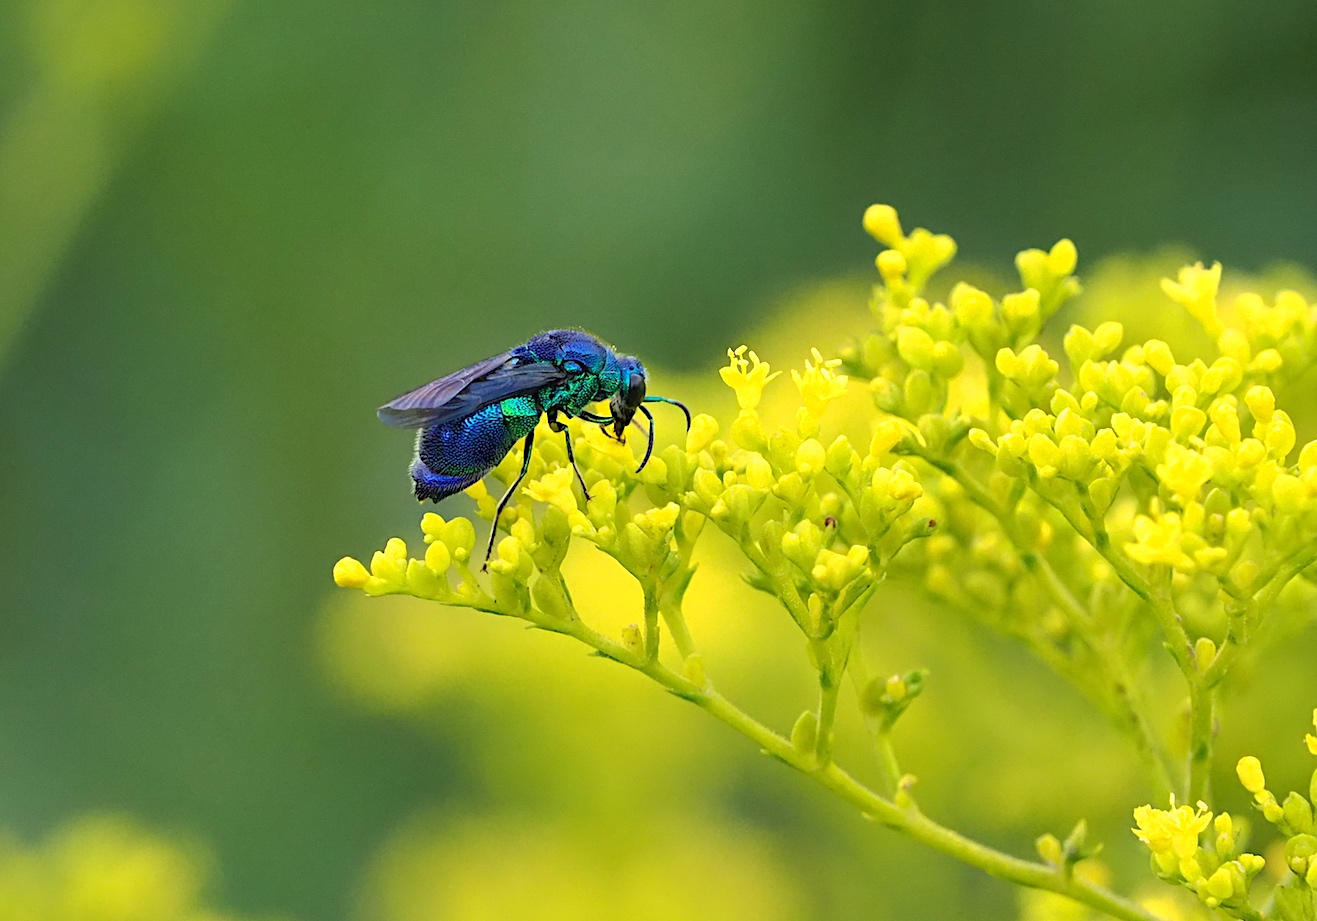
(635,391)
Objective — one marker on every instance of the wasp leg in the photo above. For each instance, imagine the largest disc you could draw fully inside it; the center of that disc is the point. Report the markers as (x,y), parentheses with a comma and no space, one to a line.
(649,447)
(502,503)
(571,459)
(554,424)
(604,422)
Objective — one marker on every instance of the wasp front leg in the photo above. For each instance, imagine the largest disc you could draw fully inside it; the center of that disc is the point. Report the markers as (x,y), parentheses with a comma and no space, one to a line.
(557,426)
(604,422)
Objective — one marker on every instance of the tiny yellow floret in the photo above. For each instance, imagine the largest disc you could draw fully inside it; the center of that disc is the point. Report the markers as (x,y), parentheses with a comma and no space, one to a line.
(1172,831)
(350,573)
(1196,289)
(554,488)
(883,224)
(746,376)
(820,384)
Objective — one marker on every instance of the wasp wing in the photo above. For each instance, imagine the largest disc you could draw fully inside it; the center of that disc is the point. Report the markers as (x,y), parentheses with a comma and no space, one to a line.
(463,392)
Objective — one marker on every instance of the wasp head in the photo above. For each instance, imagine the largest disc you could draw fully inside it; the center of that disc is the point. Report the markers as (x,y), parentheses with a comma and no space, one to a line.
(630,394)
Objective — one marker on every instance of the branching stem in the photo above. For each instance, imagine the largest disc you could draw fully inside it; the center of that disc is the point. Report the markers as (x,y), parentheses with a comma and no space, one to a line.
(907,819)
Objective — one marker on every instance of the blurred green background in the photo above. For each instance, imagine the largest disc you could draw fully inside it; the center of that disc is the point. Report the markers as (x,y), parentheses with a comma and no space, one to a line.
(229,230)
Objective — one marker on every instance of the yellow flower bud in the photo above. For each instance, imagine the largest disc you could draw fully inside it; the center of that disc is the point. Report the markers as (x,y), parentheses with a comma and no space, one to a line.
(432,525)
(387,567)
(886,435)
(708,487)
(1158,356)
(437,557)
(702,431)
(805,732)
(834,570)
(1280,436)
(658,522)
(1251,452)
(349,573)
(1021,307)
(1184,471)
(1268,361)
(891,265)
(810,457)
(1219,884)
(1250,774)
(915,347)
(693,670)
(1062,258)
(882,223)
(1107,336)
(1261,402)
(748,431)
(972,307)
(551,599)
(982,440)
(1079,346)
(759,473)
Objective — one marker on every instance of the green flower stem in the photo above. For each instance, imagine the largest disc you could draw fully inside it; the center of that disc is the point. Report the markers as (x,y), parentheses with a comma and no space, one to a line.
(651,624)
(1114,673)
(782,586)
(907,819)
(681,635)
(880,735)
(829,690)
(1121,564)
(1201,718)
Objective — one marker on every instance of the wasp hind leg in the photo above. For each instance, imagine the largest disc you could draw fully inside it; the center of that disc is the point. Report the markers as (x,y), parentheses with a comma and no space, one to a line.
(502,503)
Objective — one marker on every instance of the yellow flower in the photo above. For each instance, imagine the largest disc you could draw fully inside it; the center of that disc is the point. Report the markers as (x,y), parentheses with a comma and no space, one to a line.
(882,223)
(820,384)
(1185,471)
(834,570)
(554,488)
(485,503)
(1171,831)
(1196,289)
(1312,739)
(746,377)
(702,431)
(1250,774)
(349,573)
(1159,540)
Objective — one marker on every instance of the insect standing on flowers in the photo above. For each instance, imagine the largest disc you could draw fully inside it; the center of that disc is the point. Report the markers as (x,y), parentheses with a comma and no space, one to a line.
(470,420)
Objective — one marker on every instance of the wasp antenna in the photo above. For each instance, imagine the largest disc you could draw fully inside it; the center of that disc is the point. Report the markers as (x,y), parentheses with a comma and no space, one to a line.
(649,447)
(677,403)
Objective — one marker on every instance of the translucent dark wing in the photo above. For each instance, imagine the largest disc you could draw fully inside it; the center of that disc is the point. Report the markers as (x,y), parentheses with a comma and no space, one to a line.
(418,407)
(463,392)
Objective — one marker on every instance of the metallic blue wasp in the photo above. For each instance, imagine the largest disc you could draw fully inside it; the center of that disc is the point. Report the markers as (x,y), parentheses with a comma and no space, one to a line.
(470,420)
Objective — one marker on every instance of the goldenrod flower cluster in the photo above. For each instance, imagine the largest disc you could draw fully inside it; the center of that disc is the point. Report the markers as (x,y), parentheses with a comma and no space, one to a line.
(1192,849)
(1080,498)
